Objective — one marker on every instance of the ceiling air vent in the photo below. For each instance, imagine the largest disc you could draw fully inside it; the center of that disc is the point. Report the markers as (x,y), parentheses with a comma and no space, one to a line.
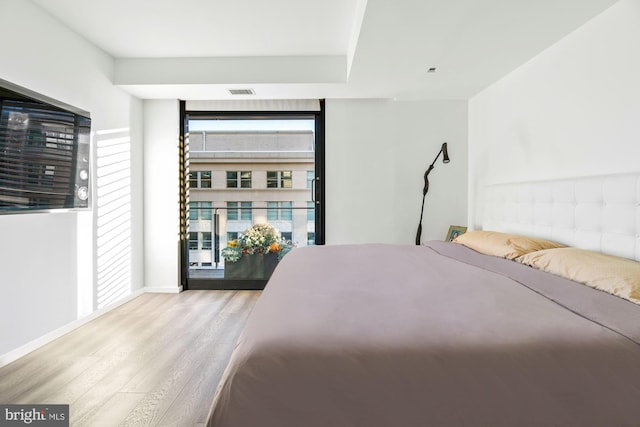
(241,92)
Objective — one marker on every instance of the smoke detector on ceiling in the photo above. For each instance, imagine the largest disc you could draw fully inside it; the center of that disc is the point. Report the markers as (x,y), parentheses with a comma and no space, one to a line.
(241,92)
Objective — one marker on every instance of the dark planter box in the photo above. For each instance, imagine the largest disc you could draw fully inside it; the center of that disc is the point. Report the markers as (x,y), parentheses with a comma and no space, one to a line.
(256,266)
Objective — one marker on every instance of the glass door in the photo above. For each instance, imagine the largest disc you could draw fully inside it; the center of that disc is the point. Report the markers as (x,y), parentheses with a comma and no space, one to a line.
(253,194)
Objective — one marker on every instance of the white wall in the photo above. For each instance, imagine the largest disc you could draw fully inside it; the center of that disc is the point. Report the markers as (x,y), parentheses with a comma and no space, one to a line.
(161,194)
(376,154)
(573,110)
(44,284)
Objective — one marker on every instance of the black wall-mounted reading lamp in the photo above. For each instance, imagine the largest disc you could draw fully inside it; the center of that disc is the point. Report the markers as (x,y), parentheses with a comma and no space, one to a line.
(445,159)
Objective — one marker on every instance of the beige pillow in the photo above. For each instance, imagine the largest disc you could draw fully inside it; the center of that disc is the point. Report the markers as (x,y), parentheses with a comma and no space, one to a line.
(618,276)
(503,245)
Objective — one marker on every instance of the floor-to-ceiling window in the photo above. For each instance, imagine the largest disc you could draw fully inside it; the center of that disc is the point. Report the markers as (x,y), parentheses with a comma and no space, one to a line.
(253,191)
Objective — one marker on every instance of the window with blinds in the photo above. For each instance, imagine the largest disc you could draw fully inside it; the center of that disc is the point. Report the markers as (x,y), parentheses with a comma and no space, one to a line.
(44,155)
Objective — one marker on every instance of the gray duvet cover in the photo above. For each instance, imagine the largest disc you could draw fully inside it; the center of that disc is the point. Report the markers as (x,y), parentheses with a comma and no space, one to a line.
(431,335)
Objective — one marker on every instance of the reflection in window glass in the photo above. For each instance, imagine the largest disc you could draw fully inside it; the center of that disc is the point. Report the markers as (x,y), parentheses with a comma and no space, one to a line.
(232,179)
(272,179)
(285,180)
(193,241)
(236,179)
(245,179)
(200,179)
(206,241)
(279,179)
(193,179)
(205,179)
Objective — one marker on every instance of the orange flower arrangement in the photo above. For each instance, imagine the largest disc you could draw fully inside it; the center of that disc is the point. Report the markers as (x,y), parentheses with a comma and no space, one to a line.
(275,247)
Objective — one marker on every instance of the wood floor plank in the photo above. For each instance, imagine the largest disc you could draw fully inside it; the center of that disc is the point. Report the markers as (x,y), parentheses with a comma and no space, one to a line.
(24,386)
(164,389)
(112,412)
(193,402)
(167,353)
(153,361)
(42,391)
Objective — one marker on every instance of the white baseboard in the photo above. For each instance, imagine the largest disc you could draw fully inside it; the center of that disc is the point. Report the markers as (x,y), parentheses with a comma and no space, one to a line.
(159,290)
(27,348)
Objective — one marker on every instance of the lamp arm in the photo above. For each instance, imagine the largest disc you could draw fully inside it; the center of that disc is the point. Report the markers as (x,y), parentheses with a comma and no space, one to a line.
(424,194)
(426,182)
(435,160)
(425,189)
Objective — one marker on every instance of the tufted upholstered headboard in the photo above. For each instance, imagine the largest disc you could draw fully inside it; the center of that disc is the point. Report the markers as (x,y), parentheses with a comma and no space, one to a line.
(600,213)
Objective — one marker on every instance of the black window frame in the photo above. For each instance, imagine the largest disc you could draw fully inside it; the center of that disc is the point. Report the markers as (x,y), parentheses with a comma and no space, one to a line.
(318,189)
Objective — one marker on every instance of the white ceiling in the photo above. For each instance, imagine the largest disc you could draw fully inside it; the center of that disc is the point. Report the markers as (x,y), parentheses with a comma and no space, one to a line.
(198,49)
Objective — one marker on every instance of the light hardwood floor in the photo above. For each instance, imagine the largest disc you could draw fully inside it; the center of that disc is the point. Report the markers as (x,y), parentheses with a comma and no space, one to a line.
(154,361)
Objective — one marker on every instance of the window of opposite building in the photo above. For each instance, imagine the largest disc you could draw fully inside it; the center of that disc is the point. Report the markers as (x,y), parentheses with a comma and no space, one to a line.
(279,179)
(200,210)
(239,211)
(193,241)
(311,211)
(200,179)
(238,179)
(310,177)
(200,240)
(206,241)
(193,211)
(280,211)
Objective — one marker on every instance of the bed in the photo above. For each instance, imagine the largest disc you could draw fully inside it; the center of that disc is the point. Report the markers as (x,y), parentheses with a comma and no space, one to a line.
(441,334)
